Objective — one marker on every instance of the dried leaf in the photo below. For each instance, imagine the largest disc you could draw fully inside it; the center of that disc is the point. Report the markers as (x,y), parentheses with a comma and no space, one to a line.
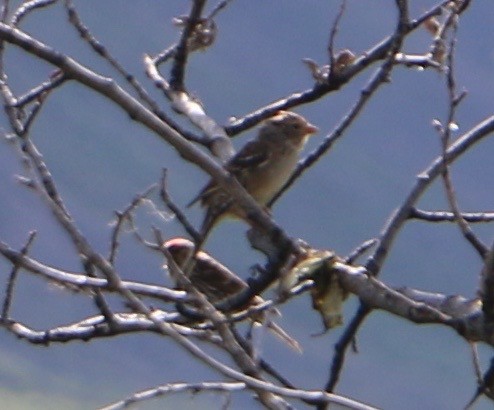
(327,294)
(432,25)
(342,60)
(319,73)
(328,297)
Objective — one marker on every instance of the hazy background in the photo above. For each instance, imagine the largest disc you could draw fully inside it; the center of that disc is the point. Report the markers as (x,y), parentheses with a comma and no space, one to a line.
(100,159)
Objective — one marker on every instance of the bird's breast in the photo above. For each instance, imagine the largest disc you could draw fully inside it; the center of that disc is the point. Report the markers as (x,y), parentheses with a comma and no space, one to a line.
(271,176)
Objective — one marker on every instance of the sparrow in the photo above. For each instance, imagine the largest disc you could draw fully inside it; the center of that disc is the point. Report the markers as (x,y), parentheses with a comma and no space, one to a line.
(218,283)
(262,167)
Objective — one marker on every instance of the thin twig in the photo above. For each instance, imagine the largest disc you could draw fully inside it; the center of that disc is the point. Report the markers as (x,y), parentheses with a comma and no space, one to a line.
(486,286)
(332,36)
(28,7)
(360,250)
(99,48)
(97,327)
(266,367)
(445,216)
(371,56)
(378,79)
(445,134)
(486,385)
(55,80)
(122,217)
(46,181)
(476,362)
(4,10)
(83,282)
(165,197)
(423,181)
(214,137)
(177,72)
(9,292)
(42,174)
(341,347)
(99,298)
(220,6)
(166,389)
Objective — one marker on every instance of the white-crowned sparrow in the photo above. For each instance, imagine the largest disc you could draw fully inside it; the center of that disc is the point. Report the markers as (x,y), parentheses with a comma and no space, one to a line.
(262,166)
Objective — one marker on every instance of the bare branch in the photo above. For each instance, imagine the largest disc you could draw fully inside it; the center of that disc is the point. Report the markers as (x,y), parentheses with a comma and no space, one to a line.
(181,53)
(165,197)
(486,385)
(445,133)
(28,7)
(40,92)
(98,297)
(444,216)
(424,179)
(486,286)
(122,217)
(220,387)
(360,250)
(84,282)
(380,78)
(332,37)
(341,347)
(216,139)
(9,292)
(101,50)
(96,327)
(371,56)
(345,403)
(43,180)
(220,6)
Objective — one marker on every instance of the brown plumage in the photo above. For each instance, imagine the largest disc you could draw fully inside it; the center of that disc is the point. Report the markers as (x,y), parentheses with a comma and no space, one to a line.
(262,166)
(217,282)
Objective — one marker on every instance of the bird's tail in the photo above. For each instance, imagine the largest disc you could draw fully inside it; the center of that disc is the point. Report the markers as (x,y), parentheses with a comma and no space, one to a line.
(279,332)
(264,319)
(213,215)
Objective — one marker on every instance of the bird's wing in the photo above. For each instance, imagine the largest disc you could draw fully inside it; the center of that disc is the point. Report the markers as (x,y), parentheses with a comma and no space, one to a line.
(252,155)
(214,279)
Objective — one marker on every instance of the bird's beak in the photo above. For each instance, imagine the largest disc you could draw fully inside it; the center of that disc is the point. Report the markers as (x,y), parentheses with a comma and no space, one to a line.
(310,129)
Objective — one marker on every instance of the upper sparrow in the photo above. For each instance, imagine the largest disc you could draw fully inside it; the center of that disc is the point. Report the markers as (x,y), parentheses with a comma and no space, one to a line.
(262,166)
(217,282)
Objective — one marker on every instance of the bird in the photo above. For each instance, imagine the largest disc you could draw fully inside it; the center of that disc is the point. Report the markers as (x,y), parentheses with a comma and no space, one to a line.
(262,167)
(218,283)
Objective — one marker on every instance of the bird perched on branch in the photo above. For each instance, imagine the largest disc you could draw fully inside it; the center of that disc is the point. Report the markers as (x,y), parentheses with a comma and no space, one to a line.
(218,283)
(262,167)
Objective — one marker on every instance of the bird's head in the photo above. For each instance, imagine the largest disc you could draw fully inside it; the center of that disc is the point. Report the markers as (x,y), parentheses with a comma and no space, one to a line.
(287,125)
(179,248)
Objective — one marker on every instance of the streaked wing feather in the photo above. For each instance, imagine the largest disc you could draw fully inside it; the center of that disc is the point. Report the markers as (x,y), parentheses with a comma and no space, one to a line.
(249,156)
(215,280)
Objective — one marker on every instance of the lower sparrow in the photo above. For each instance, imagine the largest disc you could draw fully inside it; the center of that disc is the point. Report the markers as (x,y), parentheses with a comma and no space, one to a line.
(218,283)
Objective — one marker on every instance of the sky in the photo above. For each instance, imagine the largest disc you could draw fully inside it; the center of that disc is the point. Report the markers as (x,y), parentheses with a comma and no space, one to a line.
(100,159)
